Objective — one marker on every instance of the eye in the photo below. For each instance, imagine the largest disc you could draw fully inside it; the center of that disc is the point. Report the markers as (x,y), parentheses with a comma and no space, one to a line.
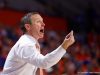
(38,21)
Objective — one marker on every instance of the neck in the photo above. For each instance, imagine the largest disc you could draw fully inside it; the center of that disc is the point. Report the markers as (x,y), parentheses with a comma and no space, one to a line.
(33,36)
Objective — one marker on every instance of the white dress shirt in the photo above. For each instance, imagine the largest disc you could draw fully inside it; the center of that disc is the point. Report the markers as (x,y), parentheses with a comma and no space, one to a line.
(24,58)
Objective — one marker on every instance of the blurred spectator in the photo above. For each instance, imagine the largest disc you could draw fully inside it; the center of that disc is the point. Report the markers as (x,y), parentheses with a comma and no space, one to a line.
(84,55)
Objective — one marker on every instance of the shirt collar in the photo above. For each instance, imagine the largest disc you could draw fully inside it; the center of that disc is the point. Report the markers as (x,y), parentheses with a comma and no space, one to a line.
(31,38)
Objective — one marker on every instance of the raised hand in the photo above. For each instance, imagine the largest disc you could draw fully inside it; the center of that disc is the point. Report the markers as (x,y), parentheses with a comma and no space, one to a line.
(68,41)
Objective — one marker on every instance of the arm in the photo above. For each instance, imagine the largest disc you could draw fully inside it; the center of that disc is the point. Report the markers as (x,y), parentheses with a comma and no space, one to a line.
(30,54)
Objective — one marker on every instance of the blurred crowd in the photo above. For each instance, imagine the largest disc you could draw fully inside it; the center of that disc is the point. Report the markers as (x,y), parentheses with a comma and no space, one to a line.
(82,58)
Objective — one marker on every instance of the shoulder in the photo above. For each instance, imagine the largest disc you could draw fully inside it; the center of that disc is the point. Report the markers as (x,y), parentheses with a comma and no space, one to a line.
(26,41)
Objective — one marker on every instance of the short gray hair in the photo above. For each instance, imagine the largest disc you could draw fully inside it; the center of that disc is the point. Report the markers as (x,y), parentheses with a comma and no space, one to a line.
(26,20)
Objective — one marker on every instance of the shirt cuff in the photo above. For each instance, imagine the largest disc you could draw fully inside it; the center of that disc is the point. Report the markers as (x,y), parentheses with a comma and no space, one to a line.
(62,50)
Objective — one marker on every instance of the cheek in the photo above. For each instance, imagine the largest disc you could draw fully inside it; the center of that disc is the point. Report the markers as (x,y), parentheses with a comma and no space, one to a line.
(37,27)
(34,28)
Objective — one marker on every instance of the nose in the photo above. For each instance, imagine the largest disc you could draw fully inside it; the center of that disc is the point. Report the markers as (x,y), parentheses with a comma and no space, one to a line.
(43,24)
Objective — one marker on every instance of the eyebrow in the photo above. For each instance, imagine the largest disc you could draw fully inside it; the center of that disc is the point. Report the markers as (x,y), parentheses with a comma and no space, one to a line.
(39,19)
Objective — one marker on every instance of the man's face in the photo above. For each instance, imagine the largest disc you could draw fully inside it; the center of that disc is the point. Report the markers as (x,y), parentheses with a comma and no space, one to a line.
(37,26)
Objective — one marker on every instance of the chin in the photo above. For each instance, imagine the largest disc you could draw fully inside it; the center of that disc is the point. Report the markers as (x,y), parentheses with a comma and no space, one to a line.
(41,36)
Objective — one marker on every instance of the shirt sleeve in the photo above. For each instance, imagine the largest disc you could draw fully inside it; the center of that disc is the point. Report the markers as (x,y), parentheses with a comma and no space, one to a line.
(31,55)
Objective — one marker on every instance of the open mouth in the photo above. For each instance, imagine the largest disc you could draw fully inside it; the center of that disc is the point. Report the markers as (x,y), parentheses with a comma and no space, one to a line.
(42,30)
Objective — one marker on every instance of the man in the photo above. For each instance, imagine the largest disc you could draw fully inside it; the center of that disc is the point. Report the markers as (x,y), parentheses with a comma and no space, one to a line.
(25,57)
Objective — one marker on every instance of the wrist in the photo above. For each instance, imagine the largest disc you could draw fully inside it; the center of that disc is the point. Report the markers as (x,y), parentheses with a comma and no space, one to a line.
(64,46)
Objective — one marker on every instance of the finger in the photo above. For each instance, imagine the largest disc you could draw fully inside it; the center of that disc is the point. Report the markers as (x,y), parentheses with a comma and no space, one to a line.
(68,36)
(71,32)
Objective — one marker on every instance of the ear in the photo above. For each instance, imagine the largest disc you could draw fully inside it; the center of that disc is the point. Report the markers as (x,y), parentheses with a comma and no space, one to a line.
(27,26)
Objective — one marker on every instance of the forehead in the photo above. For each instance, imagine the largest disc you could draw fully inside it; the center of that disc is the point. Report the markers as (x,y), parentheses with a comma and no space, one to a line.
(36,16)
